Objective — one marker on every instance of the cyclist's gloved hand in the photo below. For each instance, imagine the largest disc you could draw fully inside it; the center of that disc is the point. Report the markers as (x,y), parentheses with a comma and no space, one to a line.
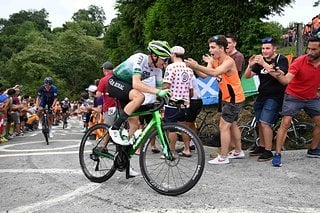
(164,93)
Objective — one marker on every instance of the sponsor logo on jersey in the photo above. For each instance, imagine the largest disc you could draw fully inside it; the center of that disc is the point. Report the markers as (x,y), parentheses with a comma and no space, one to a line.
(184,77)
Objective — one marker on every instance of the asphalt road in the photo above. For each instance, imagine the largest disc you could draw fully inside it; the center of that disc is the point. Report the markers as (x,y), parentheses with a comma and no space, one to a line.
(35,177)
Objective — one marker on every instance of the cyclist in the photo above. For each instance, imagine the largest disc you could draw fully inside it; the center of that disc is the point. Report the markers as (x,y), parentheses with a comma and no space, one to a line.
(65,108)
(126,83)
(47,95)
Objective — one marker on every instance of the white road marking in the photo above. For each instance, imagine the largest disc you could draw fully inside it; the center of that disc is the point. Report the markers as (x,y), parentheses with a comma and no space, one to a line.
(43,171)
(39,153)
(42,205)
(5,147)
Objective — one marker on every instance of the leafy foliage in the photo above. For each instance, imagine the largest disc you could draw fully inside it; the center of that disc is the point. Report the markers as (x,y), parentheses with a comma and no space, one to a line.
(72,54)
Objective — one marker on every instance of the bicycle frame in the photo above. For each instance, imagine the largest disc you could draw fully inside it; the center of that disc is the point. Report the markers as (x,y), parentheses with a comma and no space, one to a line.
(155,123)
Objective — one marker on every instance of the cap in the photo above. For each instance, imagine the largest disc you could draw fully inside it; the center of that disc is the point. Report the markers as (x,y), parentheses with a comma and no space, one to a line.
(178,50)
(92,88)
(107,65)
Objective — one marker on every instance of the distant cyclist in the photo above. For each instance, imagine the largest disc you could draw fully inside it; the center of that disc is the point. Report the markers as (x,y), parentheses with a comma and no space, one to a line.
(126,83)
(47,95)
(65,107)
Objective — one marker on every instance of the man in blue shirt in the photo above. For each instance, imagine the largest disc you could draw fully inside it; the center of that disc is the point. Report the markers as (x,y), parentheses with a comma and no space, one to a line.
(47,95)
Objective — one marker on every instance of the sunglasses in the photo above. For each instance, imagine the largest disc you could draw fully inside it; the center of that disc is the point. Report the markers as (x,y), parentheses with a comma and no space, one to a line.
(267,40)
(165,60)
(215,37)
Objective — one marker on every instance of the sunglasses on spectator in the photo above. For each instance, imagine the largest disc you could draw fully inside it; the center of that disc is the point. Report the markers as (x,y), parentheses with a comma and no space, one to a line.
(215,37)
(266,40)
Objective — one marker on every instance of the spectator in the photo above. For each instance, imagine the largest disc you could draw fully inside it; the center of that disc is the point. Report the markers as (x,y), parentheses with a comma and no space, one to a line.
(270,97)
(109,109)
(303,80)
(232,95)
(177,78)
(234,53)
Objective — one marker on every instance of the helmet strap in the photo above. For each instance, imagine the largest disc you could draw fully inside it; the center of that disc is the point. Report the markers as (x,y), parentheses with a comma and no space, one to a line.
(155,61)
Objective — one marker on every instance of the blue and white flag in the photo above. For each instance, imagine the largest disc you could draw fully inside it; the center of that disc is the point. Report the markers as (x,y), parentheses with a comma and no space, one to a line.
(209,90)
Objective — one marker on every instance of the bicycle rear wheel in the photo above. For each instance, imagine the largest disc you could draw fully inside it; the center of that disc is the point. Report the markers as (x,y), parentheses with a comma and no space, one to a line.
(177,176)
(96,154)
(209,134)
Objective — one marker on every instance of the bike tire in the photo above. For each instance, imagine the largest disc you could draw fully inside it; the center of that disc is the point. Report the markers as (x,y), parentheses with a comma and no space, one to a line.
(304,133)
(96,165)
(248,133)
(45,130)
(209,134)
(172,177)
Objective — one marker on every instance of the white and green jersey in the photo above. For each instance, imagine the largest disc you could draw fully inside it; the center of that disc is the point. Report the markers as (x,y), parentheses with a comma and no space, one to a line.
(137,64)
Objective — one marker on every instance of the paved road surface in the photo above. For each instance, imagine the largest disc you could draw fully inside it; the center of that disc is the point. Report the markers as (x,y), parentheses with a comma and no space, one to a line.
(35,177)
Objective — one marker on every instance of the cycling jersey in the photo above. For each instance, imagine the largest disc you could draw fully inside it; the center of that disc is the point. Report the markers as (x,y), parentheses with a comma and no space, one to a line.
(137,64)
(47,97)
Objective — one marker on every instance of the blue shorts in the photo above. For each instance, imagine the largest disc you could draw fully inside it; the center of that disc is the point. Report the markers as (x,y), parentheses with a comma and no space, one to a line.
(267,111)
(292,106)
(170,111)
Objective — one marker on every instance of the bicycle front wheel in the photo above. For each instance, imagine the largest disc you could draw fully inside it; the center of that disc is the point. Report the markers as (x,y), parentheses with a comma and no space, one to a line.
(177,176)
(249,136)
(96,154)
(302,134)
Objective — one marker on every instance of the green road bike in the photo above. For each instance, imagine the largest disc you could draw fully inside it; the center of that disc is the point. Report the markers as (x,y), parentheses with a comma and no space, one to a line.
(166,172)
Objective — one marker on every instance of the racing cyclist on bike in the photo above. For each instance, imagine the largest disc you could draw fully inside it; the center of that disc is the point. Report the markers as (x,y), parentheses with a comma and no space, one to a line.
(126,83)
(47,95)
(65,107)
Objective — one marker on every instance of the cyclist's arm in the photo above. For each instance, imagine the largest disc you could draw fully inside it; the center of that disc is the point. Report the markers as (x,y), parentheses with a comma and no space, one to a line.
(140,86)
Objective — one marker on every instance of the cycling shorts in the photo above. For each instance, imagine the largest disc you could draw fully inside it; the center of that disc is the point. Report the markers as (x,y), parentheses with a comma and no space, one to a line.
(120,90)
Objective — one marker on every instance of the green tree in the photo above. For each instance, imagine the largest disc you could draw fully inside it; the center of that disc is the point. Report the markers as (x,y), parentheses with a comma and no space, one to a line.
(80,59)
(92,20)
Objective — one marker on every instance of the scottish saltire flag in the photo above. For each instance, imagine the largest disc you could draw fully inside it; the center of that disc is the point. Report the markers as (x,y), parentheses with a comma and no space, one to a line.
(209,90)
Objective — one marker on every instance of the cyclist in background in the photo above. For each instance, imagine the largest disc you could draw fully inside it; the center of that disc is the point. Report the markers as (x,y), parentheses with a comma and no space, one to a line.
(47,95)
(65,107)
(126,83)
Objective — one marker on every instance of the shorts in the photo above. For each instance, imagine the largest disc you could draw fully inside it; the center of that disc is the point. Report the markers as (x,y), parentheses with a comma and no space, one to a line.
(120,90)
(194,109)
(230,111)
(109,118)
(292,106)
(14,117)
(267,111)
(170,111)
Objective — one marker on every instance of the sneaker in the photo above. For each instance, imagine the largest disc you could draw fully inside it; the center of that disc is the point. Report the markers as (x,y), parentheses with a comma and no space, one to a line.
(219,160)
(133,173)
(116,137)
(276,162)
(265,156)
(215,153)
(236,155)
(257,151)
(3,140)
(313,153)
